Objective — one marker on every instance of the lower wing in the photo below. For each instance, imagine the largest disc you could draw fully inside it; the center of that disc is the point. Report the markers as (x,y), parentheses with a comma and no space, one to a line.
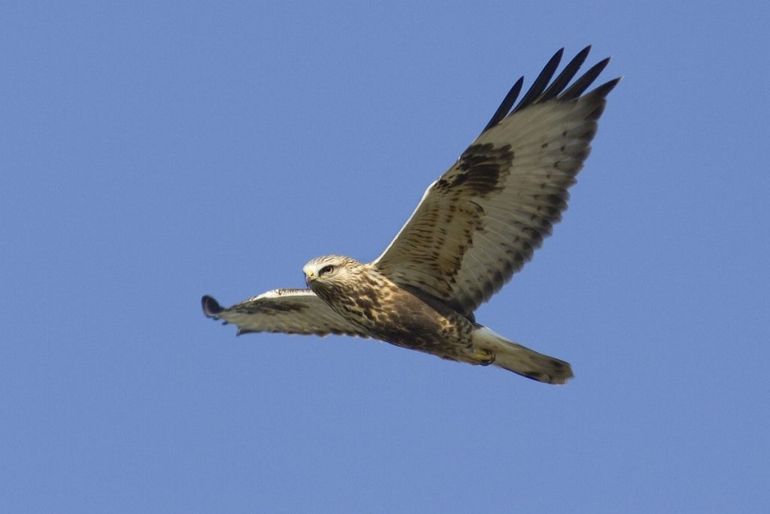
(292,311)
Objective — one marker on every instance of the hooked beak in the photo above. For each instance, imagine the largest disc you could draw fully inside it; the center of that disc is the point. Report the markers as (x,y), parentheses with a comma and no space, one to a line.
(309,277)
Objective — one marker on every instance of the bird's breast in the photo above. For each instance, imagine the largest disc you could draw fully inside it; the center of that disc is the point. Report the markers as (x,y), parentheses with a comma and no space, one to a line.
(390,313)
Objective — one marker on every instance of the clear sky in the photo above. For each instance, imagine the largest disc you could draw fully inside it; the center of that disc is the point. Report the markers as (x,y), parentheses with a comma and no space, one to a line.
(152,152)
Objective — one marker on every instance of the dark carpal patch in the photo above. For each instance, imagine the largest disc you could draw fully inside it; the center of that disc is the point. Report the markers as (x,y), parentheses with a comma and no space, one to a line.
(269,306)
(481,169)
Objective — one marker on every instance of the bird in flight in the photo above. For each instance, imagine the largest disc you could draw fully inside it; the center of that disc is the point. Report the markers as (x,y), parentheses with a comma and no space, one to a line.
(475,226)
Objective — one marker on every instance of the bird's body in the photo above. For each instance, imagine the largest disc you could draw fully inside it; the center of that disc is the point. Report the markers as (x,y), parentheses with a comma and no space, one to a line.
(474,228)
(381,308)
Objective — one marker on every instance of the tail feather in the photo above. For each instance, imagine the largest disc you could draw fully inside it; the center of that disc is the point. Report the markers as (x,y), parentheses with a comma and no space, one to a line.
(521,360)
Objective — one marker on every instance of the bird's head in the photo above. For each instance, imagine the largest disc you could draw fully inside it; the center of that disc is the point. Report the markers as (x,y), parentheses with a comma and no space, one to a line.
(329,270)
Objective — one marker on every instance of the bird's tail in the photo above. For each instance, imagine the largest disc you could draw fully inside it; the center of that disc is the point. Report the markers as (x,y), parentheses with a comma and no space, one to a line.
(522,360)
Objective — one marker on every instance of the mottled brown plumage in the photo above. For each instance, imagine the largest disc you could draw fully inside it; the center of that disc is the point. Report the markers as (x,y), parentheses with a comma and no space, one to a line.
(372,302)
(474,228)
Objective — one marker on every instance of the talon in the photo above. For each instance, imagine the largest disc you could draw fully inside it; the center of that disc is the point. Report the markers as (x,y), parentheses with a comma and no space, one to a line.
(484,357)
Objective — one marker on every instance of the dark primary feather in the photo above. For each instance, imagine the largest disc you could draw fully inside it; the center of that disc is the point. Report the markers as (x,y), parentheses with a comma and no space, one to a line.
(540,83)
(603,90)
(211,307)
(506,105)
(584,82)
(566,75)
(540,91)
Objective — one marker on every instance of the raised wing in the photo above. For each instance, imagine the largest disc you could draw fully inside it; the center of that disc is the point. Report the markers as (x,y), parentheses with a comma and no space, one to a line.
(482,219)
(292,311)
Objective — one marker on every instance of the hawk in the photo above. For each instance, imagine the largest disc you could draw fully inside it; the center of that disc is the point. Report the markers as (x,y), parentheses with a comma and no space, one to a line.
(475,226)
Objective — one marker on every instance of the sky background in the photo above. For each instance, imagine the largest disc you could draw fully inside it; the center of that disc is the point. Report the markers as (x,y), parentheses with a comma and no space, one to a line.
(156,151)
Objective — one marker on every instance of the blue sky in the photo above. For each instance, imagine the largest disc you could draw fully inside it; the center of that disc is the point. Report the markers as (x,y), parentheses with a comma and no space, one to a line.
(156,151)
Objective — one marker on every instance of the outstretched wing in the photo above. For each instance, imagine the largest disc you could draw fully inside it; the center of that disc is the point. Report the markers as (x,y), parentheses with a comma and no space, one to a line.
(482,219)
(293,311)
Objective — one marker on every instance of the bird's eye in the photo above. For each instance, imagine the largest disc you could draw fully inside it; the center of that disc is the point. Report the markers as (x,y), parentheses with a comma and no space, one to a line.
(326,269)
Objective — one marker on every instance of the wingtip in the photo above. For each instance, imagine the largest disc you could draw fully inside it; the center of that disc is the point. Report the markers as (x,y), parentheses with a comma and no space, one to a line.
(605,89)
(211,307)
(583,54)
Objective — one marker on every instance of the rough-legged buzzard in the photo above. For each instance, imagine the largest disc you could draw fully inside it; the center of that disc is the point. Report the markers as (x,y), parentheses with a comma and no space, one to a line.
(474,228)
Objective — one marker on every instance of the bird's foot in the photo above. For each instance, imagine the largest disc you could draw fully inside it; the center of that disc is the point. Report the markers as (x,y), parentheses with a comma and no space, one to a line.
(482,357)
